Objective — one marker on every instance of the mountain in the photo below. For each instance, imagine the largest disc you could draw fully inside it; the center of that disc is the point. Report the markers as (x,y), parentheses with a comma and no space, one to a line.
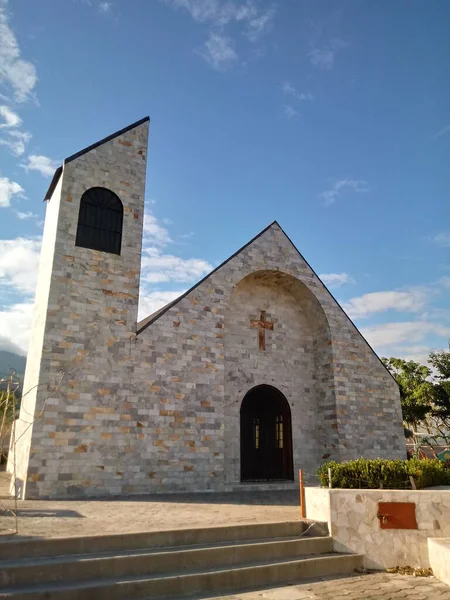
(10,360)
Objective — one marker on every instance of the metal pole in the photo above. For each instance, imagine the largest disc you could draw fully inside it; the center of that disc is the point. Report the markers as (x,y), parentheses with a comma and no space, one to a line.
(302,494)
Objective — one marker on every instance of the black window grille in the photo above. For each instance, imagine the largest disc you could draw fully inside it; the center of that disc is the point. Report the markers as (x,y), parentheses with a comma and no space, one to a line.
(100,221)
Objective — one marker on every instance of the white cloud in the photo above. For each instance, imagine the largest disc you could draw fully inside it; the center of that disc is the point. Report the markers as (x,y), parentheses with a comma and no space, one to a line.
(334,280)
(158,267)
(444,131)
(16,141)
(378,302)
(442,239)
(11,118)
(260,23)
(390,336)
(9,189)
(324,57)
(289,112)
(15,325)
(339,187)
(105,7)
(220,13)
(154,233)
(25,215)
(445,281)
(219,51)
(15,72)
(19,260)
(42,164)
(151,302)
(291,90)
(8,345)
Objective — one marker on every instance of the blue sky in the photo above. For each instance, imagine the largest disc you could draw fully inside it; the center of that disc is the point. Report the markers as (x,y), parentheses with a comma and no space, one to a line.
(332,117)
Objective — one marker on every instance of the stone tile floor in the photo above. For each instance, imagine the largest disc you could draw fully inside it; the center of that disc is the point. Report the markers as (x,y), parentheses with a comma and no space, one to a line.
(67,518)
(376,586)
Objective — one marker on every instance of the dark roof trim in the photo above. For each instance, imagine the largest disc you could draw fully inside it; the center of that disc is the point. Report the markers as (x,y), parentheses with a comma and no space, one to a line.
(106,139)
(53,183)
(338,304)
(58,171)
(164,309)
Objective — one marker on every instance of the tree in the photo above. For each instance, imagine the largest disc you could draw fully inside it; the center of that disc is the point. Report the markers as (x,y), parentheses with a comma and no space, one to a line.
(416,391)
(440,361)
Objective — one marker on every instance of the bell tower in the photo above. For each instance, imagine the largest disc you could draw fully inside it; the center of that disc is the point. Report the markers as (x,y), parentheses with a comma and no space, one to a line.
(84,319)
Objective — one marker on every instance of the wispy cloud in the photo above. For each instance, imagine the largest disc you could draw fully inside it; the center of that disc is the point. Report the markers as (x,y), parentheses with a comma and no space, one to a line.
(105,7)
(442,239)
(444,131)
(291,90)
(388,335)
(335,280)
(16,141)
(11,119)
(324,57)
(158,267)
(15,72)
(42,164)
(413,300)
(8,190)
(218,51)
(330,196)
(25,215)
(154,233)
(220,13)
(12,138)
(289,112)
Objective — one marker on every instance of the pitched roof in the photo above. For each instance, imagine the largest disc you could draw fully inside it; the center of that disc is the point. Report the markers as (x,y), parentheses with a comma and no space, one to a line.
(57,174)
(144,323)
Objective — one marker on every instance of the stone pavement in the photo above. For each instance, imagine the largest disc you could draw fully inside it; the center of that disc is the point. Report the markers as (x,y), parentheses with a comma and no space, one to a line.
(376,586)
(67,518)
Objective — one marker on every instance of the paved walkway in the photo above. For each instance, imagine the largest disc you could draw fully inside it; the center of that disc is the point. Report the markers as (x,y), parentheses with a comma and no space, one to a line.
(378,586)
(65,518)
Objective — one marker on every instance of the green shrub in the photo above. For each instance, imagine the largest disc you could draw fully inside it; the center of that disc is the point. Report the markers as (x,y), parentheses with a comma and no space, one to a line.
(392,474)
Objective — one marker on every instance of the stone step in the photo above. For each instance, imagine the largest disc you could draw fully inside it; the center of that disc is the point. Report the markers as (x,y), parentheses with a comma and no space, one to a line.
(178,585)
(13,549)
(143,562)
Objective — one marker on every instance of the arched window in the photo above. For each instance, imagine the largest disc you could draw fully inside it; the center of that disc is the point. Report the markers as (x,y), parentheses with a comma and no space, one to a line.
(100,221)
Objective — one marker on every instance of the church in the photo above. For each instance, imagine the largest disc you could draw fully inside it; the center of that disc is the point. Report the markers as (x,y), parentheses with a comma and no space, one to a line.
(252,374)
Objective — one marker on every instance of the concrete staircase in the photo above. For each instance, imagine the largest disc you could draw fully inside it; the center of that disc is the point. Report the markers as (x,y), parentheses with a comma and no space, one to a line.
(169,564)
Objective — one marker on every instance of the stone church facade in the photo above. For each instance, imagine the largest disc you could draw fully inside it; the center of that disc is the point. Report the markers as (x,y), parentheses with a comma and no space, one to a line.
(253,373)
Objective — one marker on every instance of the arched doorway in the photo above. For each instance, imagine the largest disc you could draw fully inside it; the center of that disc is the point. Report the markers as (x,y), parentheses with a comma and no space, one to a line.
(266,436)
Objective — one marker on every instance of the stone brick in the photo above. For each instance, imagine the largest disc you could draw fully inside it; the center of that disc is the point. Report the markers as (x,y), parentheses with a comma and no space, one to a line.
(160,404)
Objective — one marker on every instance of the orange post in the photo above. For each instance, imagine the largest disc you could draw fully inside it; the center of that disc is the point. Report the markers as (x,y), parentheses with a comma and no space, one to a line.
(302,494)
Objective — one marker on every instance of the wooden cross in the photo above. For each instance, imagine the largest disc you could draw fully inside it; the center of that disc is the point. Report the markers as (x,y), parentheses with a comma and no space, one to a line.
(262,325)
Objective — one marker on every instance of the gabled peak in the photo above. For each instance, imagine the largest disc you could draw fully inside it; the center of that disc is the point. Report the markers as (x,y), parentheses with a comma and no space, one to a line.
(58,172)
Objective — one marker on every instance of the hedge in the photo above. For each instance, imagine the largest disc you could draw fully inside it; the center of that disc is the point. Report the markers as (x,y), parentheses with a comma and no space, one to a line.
(392,474)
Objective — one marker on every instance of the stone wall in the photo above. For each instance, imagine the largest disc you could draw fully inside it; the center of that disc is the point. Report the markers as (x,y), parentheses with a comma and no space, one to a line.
(85,316)
(354,525)
(156,408)
(201,357)
(439,553)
